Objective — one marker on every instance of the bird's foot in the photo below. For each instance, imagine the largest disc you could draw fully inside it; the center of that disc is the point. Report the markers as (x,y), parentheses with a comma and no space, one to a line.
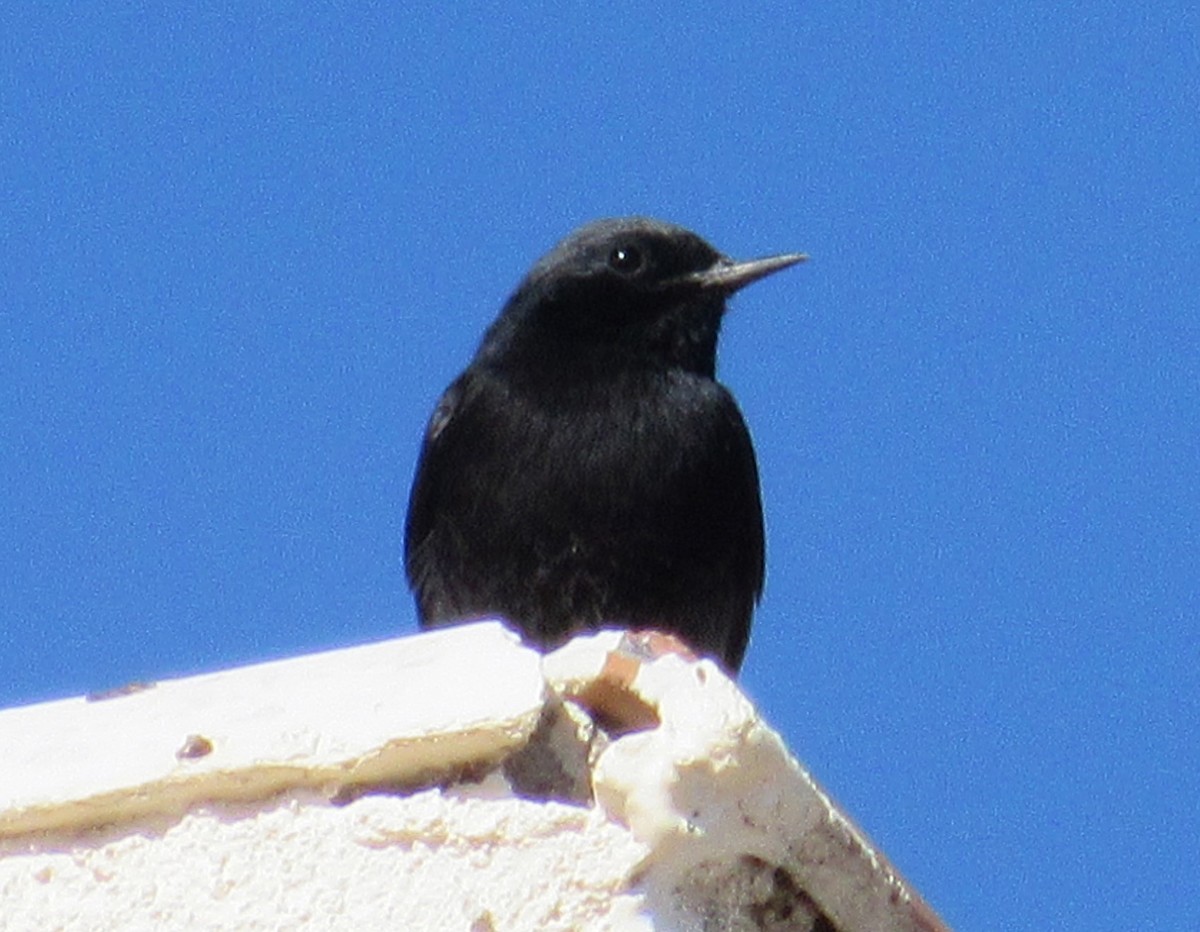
(648,644)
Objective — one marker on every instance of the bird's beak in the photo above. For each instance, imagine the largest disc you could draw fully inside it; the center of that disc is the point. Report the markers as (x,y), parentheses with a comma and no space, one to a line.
(728,276)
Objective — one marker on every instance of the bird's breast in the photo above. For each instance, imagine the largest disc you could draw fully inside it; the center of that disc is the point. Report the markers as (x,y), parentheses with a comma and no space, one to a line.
(623,445)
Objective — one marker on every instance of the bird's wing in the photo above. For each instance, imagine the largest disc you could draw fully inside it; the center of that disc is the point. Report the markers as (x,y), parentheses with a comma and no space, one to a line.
(424,499)
(745,477)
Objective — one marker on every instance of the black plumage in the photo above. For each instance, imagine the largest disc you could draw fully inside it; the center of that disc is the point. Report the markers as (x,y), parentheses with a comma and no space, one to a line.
(587,469)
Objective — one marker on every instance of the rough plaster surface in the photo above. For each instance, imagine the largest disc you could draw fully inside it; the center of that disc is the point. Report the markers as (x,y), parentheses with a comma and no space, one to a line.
(382,862)
(453,781)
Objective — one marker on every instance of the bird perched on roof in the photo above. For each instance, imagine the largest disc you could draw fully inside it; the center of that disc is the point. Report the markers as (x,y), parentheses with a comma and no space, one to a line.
(586,469)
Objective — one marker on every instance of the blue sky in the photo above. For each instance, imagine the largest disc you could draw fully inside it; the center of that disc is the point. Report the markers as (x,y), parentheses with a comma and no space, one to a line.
(244,247)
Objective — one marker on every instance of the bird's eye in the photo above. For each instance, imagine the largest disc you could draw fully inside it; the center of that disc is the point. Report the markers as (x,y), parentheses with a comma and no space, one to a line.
(626,259)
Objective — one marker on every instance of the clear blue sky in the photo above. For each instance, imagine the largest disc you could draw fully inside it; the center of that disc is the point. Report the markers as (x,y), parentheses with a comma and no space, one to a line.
(243,248)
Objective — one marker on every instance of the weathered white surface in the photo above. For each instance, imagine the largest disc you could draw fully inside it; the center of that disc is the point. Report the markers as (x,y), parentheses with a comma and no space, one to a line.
(701,821)
(730,817)
(734,825)
(422,863)
(387,711)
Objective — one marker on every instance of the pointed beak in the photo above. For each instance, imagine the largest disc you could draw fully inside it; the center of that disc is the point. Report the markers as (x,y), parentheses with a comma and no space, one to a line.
(728,276)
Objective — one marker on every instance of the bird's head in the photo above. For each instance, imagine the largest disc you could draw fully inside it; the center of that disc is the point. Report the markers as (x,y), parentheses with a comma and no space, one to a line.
(629,291)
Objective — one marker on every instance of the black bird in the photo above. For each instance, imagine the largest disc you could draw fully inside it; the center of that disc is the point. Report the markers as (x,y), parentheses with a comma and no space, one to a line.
(587,469)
